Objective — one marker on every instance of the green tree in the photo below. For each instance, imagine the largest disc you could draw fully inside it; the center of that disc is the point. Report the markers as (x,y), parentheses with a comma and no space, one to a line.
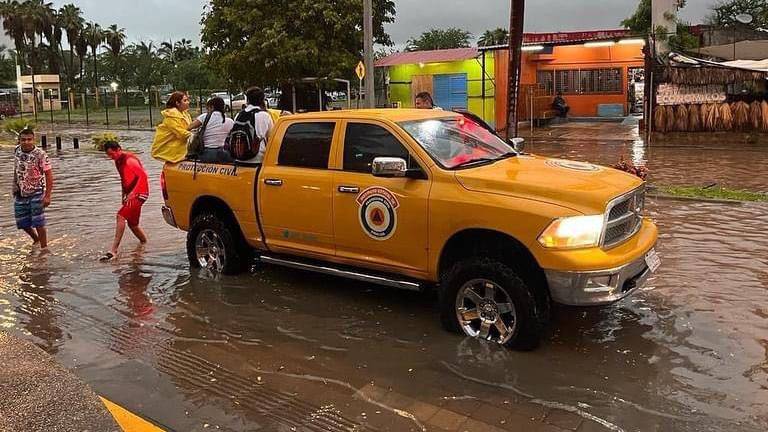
(435,39)
(71,20)
(499,36)
(269,41)
(724,13)
(640,22)
(94,36)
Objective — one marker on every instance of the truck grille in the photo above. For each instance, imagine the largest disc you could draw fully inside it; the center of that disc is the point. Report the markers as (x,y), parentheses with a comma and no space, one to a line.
(625,216)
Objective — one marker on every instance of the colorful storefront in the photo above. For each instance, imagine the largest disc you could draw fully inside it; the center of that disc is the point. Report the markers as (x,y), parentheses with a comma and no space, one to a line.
(597,73)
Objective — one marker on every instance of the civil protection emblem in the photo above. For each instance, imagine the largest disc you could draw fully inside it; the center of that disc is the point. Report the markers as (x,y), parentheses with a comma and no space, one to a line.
(378,212)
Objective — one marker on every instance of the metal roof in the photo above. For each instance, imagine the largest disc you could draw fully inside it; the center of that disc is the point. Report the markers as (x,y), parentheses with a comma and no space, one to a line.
(436,56)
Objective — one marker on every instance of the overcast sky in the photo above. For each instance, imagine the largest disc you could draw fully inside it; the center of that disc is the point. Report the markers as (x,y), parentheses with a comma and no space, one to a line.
(175,19)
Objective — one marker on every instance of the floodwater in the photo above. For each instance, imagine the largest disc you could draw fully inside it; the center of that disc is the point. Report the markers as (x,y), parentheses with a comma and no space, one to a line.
(280,350)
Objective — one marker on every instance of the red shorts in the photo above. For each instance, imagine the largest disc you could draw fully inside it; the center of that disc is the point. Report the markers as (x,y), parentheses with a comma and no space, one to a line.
(131,213)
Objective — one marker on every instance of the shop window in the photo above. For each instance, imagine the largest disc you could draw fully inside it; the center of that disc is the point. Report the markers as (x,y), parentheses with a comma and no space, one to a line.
(589,81)
(546,81)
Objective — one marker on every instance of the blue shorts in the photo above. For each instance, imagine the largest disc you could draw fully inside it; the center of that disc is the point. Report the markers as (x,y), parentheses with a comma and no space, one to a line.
(29,212)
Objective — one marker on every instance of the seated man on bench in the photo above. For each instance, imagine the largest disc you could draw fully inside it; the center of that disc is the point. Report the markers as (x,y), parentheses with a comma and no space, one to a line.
(560,105)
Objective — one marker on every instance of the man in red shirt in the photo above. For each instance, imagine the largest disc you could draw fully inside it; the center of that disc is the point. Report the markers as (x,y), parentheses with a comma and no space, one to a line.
(135,192)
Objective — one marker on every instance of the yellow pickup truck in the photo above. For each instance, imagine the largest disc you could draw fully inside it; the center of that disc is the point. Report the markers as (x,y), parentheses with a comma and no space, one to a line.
(422,199)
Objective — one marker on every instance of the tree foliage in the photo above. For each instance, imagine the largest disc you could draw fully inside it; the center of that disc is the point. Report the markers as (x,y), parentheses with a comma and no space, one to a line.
(435,39)
(499,36)
(724,13)
(640,22)
(266,41)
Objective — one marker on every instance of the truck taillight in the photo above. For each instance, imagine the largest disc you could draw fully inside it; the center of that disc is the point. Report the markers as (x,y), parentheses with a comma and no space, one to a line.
(162,186)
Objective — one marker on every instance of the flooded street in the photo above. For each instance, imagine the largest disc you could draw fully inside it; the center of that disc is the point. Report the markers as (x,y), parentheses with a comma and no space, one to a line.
(282,350)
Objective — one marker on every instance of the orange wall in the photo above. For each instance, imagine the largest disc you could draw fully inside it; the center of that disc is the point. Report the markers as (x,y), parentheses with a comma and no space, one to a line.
(570,57)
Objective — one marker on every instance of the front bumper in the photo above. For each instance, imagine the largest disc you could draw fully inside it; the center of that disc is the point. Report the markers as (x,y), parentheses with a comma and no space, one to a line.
(592,288)
(168,216)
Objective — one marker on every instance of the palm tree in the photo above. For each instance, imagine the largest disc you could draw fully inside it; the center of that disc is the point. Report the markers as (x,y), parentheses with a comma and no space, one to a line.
(94,36)
(12,23)
(115,41)
(81,48)
(497,36)
(166,51)
(72,21)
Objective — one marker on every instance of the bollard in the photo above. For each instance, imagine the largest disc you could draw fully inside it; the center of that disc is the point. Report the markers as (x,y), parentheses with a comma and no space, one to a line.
(58,143)
(44,141)
(76,143)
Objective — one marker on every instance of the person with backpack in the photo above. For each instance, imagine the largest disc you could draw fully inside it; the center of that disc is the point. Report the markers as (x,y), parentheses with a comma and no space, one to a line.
(214,128)
(248,139)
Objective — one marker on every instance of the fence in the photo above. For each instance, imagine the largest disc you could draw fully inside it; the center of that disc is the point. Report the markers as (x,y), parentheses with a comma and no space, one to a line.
(131,110)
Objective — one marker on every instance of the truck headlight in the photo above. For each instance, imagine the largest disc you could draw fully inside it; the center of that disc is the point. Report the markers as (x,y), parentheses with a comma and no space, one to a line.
(573,232)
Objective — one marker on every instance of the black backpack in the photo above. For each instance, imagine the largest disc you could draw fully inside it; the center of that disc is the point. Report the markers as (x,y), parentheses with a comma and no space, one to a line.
(242,142)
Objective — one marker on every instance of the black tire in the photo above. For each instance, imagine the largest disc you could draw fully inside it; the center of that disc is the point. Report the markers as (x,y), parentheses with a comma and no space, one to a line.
(529,325)
(236,252)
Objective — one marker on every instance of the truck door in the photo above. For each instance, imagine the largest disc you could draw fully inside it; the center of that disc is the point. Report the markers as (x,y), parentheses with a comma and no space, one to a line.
(296,190)
(379,222)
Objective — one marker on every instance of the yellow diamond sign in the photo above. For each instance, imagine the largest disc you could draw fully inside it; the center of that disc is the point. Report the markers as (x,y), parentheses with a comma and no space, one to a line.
(360,70)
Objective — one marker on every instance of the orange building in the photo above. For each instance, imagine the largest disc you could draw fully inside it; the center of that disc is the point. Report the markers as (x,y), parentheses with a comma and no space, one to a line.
(595,71)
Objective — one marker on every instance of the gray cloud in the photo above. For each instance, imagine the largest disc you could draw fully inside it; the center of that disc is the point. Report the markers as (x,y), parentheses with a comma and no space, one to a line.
(173,19)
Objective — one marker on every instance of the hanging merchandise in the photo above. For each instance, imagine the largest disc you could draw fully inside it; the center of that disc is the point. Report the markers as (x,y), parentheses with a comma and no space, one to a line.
(681,118)
(764,111)
(694,118)
(755,115)
(660,119)
(740,115)
(726,117)
(670,117)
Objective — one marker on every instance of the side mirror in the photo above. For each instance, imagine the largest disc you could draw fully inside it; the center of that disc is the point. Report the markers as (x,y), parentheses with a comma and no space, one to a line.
(389,167)
(518,144)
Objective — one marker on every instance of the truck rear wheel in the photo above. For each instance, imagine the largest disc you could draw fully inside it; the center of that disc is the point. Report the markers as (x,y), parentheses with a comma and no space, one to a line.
(485,299)
(215,244)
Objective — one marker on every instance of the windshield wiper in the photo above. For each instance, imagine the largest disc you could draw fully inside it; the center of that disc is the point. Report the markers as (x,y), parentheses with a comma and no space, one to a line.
(485,160)
(478,161)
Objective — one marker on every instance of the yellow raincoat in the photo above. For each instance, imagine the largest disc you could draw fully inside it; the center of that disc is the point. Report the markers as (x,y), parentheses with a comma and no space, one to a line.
(170,144)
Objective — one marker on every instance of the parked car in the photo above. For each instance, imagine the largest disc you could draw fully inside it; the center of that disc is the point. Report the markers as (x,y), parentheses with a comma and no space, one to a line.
(420,200)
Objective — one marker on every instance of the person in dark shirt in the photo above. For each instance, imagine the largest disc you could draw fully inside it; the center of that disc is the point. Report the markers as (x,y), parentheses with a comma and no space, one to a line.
(560,105)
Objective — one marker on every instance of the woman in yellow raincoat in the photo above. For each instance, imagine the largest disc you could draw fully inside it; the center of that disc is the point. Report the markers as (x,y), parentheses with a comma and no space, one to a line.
(170,143)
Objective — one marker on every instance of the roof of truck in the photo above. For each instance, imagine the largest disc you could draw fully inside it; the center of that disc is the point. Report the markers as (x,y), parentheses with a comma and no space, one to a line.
(392,114)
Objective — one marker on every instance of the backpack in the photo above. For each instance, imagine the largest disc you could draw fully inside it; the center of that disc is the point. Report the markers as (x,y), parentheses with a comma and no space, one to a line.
(242,142)
(196,145)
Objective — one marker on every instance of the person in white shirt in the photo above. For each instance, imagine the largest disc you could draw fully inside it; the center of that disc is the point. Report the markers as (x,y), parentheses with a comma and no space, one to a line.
(262,120)
(216,131)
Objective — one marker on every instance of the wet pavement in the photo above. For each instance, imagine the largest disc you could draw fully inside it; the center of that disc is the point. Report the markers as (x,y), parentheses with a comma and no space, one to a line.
(280,350)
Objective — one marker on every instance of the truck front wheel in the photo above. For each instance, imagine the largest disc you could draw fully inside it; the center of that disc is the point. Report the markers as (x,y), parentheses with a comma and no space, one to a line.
(213,245)
(485,299)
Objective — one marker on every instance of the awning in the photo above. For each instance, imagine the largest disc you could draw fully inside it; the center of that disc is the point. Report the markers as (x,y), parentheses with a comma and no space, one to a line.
(436,56)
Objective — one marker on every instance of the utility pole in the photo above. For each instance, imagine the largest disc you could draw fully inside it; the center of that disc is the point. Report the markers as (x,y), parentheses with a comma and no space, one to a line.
(516,22)
(370,97)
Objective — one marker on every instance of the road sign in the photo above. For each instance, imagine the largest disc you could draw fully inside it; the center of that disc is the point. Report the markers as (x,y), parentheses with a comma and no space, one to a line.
(360,70)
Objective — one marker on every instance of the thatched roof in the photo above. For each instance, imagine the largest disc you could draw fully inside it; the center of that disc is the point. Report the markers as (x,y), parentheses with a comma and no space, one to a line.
(686,70)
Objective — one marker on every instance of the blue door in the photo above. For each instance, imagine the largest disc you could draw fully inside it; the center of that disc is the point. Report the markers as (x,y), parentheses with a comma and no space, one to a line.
(450,91)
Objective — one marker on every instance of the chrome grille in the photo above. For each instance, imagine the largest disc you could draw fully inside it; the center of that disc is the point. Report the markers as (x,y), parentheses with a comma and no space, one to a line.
(625,216)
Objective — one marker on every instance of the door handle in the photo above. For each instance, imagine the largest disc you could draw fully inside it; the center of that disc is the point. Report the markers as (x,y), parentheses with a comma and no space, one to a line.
(273,182)
(349,189)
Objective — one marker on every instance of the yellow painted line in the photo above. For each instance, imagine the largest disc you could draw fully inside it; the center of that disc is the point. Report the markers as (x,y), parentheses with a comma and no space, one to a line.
(128,421)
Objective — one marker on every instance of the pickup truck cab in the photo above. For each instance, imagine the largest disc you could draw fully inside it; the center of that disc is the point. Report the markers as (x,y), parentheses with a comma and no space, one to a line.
(419,199)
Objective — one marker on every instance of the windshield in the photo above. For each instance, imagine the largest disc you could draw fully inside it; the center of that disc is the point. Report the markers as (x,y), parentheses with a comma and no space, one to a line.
(456,142)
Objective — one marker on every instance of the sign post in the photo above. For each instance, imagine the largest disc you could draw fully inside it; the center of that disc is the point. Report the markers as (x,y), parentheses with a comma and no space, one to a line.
(360,71)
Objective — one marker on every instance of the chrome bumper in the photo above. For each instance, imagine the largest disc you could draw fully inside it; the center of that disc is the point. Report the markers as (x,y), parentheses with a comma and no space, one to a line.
(168,216)
(597,287)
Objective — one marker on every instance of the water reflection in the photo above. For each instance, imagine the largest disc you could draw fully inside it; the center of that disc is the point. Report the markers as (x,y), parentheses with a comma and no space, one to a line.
(36,303)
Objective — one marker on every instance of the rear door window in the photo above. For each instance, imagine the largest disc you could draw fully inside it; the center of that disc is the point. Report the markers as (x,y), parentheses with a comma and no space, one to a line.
(307,145)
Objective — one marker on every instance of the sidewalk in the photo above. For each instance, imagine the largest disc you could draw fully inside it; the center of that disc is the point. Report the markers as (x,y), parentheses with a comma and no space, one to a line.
(36,394)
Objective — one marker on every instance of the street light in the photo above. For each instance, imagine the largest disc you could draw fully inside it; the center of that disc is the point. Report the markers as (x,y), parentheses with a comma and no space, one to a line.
(114,86)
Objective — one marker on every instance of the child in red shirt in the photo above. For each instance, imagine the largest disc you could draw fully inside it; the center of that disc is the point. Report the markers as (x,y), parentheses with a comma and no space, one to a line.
(135,193)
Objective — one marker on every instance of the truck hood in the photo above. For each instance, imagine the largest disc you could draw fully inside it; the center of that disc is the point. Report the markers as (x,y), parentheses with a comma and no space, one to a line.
(583,187)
